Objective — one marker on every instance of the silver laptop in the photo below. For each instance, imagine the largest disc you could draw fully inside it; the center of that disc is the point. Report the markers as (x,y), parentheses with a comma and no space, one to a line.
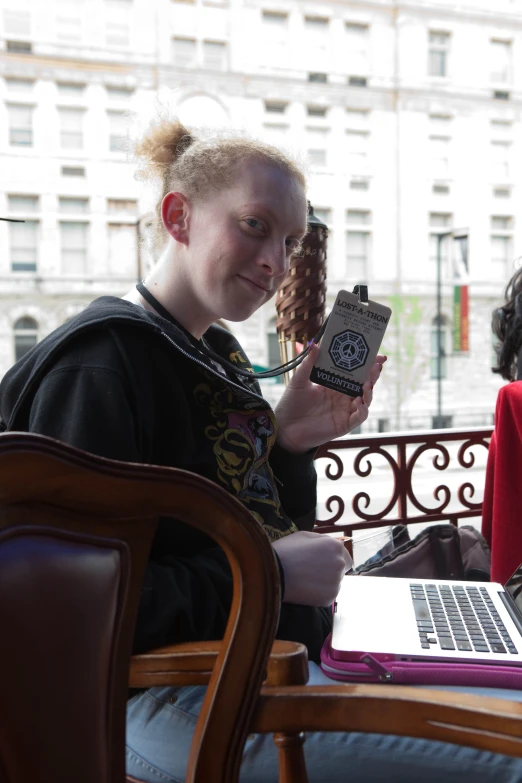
(430,620)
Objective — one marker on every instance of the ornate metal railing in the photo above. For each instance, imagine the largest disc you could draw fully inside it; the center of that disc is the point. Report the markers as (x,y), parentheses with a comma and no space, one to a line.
(404,466)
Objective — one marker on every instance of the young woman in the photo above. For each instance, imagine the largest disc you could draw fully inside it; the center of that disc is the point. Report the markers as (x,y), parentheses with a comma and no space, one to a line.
(150,378)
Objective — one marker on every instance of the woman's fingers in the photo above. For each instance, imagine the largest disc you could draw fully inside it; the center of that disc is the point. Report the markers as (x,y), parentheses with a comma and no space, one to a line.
(376,369)
(360,414)
(368,392)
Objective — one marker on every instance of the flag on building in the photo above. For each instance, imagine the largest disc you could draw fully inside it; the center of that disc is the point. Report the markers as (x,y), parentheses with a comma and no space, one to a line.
(460,295)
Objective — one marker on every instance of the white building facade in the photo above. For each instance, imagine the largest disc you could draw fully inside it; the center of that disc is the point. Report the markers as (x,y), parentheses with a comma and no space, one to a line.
(409,115)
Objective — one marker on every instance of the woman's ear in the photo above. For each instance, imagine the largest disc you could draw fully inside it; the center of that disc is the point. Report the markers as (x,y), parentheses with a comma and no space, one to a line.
(174,214)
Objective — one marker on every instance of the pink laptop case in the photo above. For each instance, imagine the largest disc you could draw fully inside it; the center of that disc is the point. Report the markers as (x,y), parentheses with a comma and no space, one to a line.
(375,668)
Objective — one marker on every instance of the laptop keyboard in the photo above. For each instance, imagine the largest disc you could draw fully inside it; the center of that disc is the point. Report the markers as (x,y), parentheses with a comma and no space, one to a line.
(459,618)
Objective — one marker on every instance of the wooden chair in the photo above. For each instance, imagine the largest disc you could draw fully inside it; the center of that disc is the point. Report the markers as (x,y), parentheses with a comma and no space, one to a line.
(75,532)
(287,709)
(74,537)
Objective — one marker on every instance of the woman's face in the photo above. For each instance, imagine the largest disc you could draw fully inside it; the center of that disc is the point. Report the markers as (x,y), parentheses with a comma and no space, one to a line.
(240,241)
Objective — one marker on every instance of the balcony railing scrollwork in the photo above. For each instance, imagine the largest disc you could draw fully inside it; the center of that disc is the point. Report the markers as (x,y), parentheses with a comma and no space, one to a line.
(401,458)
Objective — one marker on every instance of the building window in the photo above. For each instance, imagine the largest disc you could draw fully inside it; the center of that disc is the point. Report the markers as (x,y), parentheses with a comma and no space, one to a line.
(19,47)
(315,41)
(119,93)
(184,52)
(501,53)
(319,78)
(68,22)
(324,214)
(275,18)
(123,253)
(215,57)
(122,207)
(74,247)
(442,422)
(501,250)
(275,132)
(358,217)
(274,40)
(440,123)
(117,26)
(502,127)
(117,131)
(74,89)
(358,119)
(73,206)
(20,125)
(19,85)
(316,24)
(25,332)
(502,222)
(357,81)
(72,171)
(316,157)
(23,240)
(21,205)
(501,192)
(501,244)
(435,347)
(500,160)
(71,128)
(316,140)
(439,157)
(357,49)
(357,142)
(17,23)
(276,107)
(316,111)
(439,47)
(357,255)
(360,184)
(441,221)
(383,425)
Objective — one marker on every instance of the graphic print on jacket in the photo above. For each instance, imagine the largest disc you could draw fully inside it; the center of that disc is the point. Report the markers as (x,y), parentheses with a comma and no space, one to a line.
(242,440)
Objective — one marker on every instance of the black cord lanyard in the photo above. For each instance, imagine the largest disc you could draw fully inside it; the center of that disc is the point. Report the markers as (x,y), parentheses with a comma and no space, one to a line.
(206,349)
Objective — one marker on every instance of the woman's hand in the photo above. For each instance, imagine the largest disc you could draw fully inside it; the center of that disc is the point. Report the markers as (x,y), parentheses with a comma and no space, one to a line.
(314,565)
(310,415)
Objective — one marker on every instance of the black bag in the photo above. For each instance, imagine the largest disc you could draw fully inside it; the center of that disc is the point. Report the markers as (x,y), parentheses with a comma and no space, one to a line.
(439,552)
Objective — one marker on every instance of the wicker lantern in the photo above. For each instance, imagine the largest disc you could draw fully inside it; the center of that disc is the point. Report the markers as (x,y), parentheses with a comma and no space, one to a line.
(301,299)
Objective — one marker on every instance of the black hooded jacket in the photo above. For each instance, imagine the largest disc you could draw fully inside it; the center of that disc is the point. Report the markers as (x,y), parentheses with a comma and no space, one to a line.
(124,383)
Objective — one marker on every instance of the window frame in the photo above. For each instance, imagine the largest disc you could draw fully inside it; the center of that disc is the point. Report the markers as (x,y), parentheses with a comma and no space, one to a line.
(29,331)
(14,129)
(439,50)
(27,265)
(83,249)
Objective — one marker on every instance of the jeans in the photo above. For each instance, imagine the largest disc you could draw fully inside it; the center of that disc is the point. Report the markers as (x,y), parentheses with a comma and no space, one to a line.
(161,721)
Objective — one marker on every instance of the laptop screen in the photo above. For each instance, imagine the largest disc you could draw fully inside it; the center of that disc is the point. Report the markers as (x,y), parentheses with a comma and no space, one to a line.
(514,587)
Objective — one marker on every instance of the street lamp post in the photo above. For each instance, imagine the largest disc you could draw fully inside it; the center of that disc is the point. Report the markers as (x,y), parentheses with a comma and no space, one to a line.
(460,236)
(440,237)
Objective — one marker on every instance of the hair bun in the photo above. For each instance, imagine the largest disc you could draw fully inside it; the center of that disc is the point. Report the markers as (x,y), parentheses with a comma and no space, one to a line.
(165,142)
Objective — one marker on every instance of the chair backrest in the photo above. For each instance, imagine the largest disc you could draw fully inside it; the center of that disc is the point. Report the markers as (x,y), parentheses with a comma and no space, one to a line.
(75,534)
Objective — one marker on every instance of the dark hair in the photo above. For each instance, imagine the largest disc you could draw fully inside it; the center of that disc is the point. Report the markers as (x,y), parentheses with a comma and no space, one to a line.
(507,326)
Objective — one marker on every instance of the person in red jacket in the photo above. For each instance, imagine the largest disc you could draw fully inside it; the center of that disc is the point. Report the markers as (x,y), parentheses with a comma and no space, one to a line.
(501,518)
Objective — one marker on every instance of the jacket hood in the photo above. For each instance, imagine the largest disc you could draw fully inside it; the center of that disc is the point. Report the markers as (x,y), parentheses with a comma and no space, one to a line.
(21,381)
